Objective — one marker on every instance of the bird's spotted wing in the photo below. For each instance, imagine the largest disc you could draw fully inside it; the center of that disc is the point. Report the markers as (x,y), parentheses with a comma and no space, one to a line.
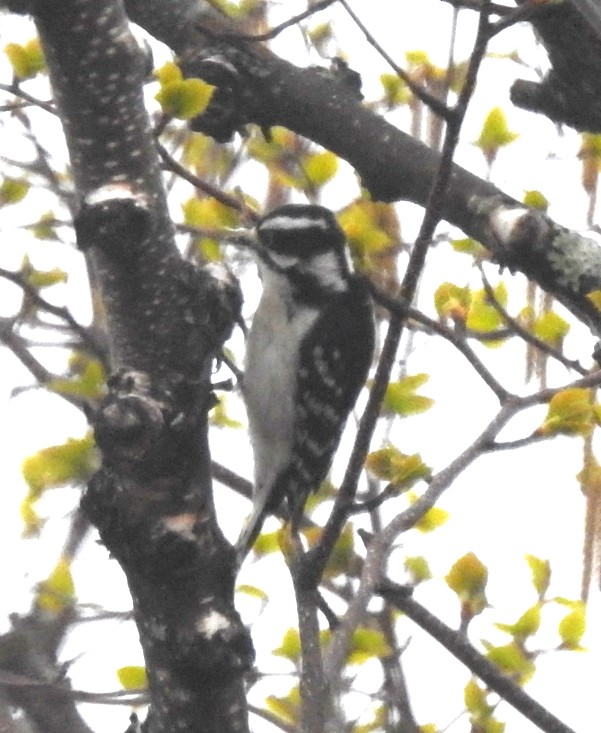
(334,362)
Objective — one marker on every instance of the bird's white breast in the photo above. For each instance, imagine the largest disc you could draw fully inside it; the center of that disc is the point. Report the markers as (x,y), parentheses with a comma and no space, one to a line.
(272,352)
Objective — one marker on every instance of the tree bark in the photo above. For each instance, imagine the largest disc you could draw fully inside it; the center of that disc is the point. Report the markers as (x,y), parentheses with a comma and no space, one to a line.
(166,320)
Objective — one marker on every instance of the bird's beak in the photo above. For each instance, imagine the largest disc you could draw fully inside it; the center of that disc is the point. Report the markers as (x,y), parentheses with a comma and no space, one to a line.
(242,237)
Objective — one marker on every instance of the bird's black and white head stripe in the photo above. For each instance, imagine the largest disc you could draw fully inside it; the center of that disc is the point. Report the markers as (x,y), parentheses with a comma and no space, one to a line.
(300,230)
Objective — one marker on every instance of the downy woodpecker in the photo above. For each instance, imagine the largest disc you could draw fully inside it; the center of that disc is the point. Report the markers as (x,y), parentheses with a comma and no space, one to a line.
(308,353)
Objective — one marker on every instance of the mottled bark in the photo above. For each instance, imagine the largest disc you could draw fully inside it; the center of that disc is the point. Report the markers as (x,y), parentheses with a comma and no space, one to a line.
(166,320)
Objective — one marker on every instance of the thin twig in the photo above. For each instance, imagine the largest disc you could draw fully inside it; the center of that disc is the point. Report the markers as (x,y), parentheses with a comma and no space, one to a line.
(518,15)
(428,99)
(277,29)
(18,92)
(205,186)
(523,333)
(478,664)
(58,311)
(317,558)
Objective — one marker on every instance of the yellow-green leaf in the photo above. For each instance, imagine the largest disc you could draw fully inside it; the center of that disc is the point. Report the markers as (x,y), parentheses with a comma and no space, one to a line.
(27,60)
(32,522)
(89,381)
(570,412)
(511,660)
(432,519)
(132,677)
(253,592)
(220,418)
(401,397)
(483,316)
(13,190)
(287,708)
(320,167)
(551,328)
(363,224)
(46,278)
(186,98)
(57,592)
(366,644)
(396,91)
(475,698)
(418,568)
(468,578)
(572,627)
(44,228)
(536,200)
(389,464)
(595,297)
(452,301)
(168,73)
(527,624)
(71,462)
(541,573)
(469,246)
(289,647)
(495,133)
(266,543)
(377,722)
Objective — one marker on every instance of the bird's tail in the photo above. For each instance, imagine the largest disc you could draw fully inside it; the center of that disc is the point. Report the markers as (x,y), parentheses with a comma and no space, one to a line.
(251,530)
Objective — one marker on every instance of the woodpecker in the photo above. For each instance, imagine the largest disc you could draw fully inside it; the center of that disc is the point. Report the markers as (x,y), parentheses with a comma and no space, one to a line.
(308,354)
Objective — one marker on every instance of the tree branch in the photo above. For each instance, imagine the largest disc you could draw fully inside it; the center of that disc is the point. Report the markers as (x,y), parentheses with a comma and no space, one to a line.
(453,642)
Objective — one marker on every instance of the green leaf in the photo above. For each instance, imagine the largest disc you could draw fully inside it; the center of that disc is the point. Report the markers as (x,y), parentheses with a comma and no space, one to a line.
(483,316)
(219,417)
(71,462)
(469,246)
(432,519)
(536,200)
(32,522)
(572,627)
(541,574)
(286,708)
(44,228)
(168,73)
(89,380)
(418,568)
(468,578)
(452,301)
(289,647)
(551,328)
(266,543)
(253,592)
(27,60)
(475,698)
(57,592)
(495,134)
(186,98)
(320,168)
(570,412)
(595,298)
(132,677)
(401,397)
(527,624)
(512,660)
(362,222)
(13,190)
(366,644)
(402,470)
(396,91)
